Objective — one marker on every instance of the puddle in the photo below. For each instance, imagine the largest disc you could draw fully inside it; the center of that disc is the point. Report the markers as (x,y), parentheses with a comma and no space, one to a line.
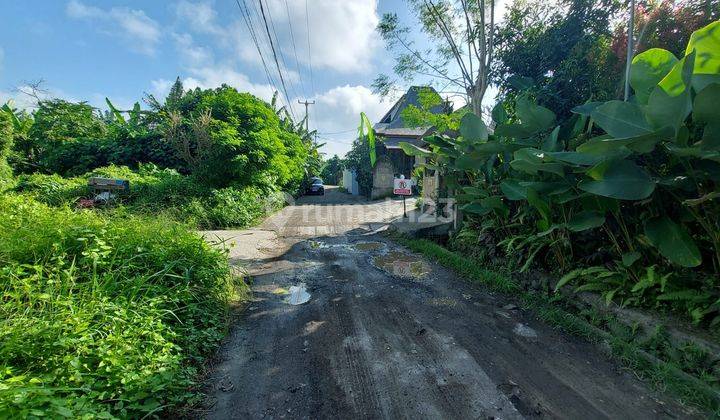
(297,295)
(402,265)
(368,246)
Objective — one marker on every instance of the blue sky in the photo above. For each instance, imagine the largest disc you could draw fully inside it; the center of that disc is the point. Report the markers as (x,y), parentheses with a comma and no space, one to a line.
(87,50)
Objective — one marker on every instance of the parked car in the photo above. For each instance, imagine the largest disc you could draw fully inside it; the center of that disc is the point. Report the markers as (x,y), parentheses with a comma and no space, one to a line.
(316,187)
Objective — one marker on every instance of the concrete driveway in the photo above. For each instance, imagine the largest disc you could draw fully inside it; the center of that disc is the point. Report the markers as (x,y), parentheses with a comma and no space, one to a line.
(346,324)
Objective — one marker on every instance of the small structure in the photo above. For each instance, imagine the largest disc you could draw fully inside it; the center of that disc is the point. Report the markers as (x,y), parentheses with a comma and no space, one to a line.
(349,181)
(104,189)
(391,131)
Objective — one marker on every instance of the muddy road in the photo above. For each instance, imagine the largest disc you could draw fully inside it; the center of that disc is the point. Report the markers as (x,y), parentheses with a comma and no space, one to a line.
(384,334)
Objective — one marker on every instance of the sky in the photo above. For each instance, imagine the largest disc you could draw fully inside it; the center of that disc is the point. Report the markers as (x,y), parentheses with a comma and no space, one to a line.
(87,50)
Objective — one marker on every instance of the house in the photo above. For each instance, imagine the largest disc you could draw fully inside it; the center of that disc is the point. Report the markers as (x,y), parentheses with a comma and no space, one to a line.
(391,130)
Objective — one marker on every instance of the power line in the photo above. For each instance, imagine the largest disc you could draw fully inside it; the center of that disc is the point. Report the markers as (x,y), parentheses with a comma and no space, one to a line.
(277,63)
(307,23)
(280,50)
(248,23)
(341,132)
(307,120)
(292,37)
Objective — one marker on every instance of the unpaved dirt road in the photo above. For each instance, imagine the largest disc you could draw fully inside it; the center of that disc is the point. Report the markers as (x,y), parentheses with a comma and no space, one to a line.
(385,334)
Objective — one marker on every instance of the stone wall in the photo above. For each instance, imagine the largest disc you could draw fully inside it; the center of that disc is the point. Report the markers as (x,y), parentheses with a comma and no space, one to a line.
(383,173)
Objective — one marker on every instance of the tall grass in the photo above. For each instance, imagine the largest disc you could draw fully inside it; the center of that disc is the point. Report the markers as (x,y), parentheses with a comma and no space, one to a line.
(163,192)
(103,316)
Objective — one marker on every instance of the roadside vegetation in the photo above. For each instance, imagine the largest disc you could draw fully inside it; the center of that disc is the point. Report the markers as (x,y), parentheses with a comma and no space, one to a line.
(110,308)
(612,198)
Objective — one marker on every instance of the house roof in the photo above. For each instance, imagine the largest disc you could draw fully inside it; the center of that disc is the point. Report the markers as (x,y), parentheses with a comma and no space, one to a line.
(392,123)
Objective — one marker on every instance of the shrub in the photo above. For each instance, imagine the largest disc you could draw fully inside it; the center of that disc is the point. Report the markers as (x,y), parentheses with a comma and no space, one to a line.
(103,317)
(165,192)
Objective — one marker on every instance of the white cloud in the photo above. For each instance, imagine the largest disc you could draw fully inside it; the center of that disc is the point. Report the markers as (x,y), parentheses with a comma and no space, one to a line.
(342,33)
(191,53)
(211,77)
(132,27)
(336,115)
(200,15)
(160,88)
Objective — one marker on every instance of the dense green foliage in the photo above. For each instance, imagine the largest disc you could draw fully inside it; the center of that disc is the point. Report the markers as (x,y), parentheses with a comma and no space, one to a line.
(162,192)
(103,316)
(108,312)
(573,51)
(332,171)
(358,158)
(563,52)
(622,197)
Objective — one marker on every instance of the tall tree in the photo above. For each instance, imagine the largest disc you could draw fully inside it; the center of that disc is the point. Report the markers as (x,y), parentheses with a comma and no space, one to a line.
(562,50)
(461,42)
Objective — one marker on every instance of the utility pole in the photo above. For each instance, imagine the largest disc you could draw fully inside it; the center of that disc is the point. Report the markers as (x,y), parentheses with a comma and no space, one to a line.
(307,121)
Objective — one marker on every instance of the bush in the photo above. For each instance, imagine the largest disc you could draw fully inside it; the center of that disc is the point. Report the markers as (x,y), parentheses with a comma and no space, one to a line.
(165,192)
(103,317)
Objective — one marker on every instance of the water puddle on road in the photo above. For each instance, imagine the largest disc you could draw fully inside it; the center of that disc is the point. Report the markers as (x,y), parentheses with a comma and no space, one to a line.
(402,265)
(297,295)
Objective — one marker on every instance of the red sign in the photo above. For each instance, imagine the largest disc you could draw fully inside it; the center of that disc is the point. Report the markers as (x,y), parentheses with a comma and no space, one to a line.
(402,186)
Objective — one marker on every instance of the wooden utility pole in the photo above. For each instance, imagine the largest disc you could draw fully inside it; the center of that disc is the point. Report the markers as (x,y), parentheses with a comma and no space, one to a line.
(307,121)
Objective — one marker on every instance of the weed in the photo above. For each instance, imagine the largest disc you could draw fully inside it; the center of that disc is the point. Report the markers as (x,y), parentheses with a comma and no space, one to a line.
(103,317)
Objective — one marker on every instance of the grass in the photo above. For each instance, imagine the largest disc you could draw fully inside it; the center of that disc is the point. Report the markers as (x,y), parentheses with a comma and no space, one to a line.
(104,316)
(663,375)
(161,192)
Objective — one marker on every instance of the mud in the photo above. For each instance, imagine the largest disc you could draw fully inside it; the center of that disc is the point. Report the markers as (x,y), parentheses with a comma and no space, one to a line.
(374,341)
(370,346)
(401,264)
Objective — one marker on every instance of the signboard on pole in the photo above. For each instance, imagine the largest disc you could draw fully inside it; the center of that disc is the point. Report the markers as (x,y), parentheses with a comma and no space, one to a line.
(402,186)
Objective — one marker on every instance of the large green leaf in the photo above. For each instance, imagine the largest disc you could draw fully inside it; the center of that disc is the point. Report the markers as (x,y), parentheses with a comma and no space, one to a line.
(512,189)
(711,136)
(706,44)
(550,144)
(621,119)
(697,152)
(516,131)
(546,188)
(533,115)
(706,107)
(472,128)
(468,162)
(412,150)
(648,69)
(499,115)
(586,220)
(541,205)
(670,101)
(621,179)
(475,208)
(440,141)
(533,168)
(115,112)
(608,147)
(587,108)
(583,159)
(673,241)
